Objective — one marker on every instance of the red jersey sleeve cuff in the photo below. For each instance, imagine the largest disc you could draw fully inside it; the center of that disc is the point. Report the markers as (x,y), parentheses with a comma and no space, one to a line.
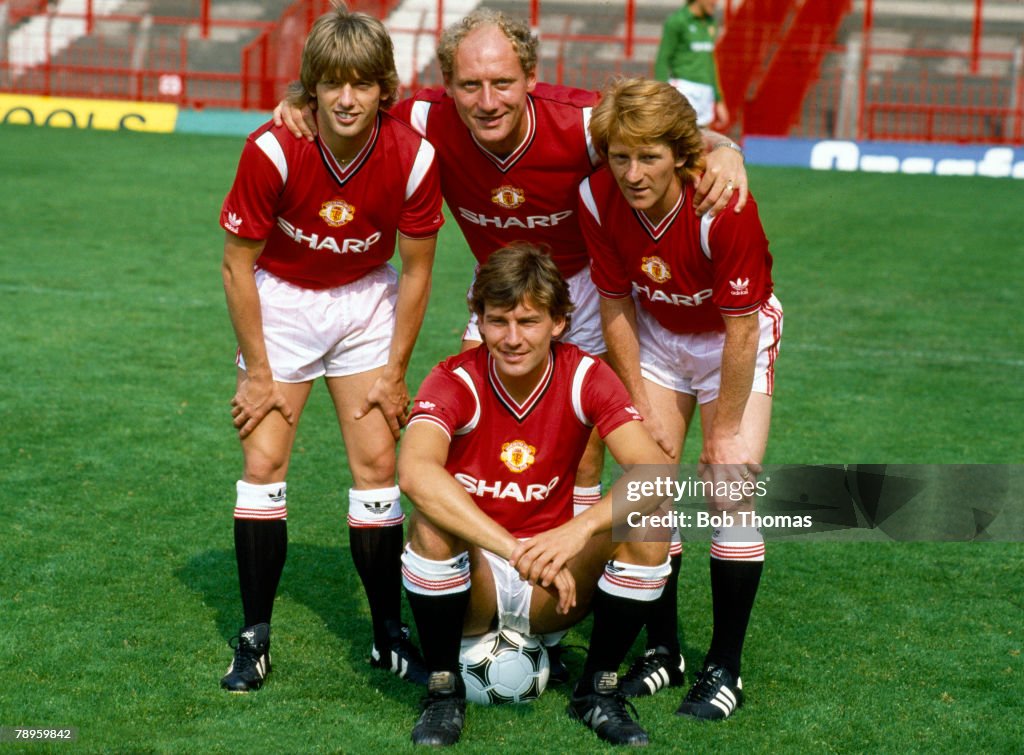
(432,420)
(613,294)
(740,311)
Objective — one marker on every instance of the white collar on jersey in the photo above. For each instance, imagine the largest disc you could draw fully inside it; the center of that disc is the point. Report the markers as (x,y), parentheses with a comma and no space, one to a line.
(504,163)
(520,410)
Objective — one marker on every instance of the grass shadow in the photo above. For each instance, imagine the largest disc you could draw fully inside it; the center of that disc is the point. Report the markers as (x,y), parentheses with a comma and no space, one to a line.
(320,578)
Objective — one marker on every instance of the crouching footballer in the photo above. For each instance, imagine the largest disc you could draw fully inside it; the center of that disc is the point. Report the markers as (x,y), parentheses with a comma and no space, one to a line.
(489,459)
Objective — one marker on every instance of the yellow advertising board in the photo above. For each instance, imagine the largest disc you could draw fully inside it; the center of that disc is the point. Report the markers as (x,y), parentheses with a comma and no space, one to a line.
(69,112)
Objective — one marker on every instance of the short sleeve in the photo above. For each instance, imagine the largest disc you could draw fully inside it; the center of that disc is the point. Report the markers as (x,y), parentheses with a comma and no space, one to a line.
(606,402)
(606,268)
(446,400)
(742,267)
(421,214)
(249,210)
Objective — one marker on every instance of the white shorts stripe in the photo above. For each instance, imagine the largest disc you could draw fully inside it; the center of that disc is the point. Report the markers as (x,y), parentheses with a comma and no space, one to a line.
(692,362)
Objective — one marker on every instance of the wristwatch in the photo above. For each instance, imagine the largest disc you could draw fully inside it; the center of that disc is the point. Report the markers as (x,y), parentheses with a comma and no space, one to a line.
(727,143)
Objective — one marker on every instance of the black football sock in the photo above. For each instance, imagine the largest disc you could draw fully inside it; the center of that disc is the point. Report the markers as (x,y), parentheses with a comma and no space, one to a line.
(439,621)
(733,589)
(261,548)
(617,623)
(663,621)
(622,604)
(438,594)
(377,555)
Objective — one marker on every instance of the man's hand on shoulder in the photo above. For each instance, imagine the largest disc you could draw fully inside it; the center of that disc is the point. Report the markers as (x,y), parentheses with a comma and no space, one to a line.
(724,175)
(300,121)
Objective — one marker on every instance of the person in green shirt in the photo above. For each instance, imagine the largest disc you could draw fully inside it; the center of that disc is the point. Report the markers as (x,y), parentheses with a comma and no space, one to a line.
(686,60)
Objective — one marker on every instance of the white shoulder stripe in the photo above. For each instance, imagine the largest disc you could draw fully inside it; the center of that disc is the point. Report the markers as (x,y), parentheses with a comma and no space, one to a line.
(595,159)
(705,230)
(424,159)
(577,389)
(460,372)
(588,200)
(418,116)
(272,149)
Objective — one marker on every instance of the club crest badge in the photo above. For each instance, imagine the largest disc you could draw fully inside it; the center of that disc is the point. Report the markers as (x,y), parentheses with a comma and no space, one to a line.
(517,455)
(509,197)
(656,269)
(337,212)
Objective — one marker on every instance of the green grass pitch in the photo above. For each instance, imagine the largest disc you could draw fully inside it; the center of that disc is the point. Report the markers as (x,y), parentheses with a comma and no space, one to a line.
(117,581)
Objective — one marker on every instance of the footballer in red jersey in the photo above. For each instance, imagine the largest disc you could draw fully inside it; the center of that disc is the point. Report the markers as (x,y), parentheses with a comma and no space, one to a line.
(510,456)
(512,152)
(706,333)
(529,193)
(325,223)
(488,461)
(310,227)
(689,272)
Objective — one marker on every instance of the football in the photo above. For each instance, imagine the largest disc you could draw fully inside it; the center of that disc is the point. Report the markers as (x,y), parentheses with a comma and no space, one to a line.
(503,667)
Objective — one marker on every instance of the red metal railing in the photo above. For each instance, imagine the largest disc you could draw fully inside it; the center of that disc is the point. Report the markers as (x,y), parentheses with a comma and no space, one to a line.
(856,93)
(775,106)
(19,10)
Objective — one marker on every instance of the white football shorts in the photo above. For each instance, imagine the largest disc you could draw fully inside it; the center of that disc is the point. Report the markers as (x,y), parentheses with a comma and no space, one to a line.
(692,362)
(700,96)
(584,325)
(329,332)
(513,594)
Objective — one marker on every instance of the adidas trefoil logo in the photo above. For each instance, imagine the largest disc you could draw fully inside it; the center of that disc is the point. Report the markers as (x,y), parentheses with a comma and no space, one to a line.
(278,496)
(378,508)
(249,636)
(234,222)
(427,404)
(739,286)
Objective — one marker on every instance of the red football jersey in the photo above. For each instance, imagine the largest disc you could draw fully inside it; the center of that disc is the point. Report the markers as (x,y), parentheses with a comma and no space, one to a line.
(326,224)
(530,195)
(687,271)
(518,461)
